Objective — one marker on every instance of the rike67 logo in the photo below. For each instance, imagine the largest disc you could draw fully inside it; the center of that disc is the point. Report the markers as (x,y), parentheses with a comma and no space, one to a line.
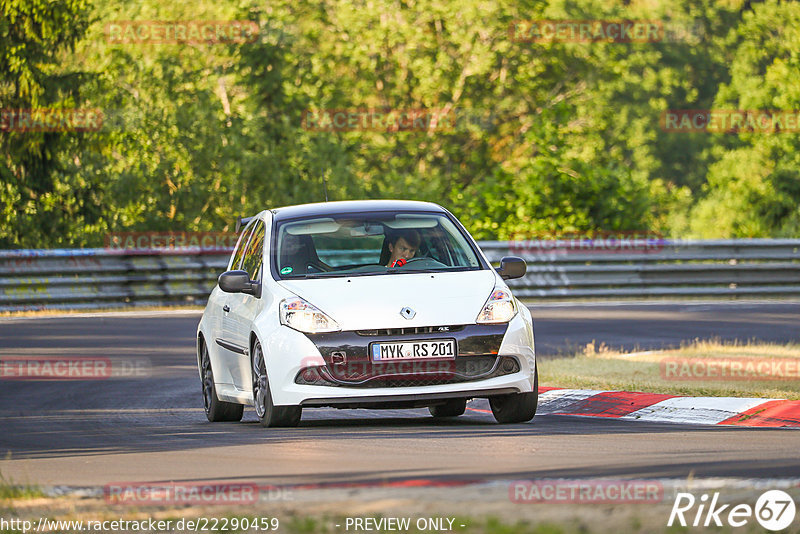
(774,510)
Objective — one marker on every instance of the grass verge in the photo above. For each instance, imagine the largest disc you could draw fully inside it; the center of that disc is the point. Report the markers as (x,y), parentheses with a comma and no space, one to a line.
(12,491)
(698,369)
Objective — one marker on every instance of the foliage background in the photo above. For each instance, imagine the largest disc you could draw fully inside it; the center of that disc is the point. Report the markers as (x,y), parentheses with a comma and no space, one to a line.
(569,139)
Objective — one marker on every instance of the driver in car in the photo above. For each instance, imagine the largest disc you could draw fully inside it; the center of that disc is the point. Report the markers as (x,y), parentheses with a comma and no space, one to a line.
(403,245)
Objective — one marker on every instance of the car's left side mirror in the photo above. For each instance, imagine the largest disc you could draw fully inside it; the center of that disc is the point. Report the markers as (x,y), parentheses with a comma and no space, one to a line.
(239,282)
(512,267)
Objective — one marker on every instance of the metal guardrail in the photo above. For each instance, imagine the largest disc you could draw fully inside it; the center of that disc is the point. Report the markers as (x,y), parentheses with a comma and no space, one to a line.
(659,268)
(104,278)
(107,278)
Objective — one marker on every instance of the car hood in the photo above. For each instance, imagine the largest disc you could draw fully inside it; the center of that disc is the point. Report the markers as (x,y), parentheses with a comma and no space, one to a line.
(370,302)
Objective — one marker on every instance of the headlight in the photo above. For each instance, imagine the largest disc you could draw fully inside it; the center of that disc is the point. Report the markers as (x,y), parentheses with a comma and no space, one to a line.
(298,314)
(500,308)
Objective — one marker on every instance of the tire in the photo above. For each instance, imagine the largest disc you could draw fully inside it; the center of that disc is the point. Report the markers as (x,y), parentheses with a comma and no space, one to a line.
(216,410)
(451,408)
(268,414)
(517,407)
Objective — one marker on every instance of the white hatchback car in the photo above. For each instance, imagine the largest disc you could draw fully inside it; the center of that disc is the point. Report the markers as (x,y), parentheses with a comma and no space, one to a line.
(364,304)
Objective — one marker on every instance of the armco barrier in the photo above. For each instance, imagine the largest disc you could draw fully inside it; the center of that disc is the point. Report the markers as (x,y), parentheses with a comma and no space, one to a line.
(662,268)
(103,278)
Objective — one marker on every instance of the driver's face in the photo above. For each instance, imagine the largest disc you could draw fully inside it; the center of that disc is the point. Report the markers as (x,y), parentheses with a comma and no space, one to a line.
(401,249)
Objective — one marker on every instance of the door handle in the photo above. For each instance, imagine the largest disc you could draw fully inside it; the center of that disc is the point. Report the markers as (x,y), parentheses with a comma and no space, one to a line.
(226,308)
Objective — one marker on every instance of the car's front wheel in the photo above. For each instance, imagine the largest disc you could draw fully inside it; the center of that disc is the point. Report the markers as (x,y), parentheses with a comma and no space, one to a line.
(216,410)
(517,407)
(267,412)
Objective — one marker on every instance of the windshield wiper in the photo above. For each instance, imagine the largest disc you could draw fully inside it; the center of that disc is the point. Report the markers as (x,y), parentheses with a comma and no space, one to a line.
(324,275)
(339,274)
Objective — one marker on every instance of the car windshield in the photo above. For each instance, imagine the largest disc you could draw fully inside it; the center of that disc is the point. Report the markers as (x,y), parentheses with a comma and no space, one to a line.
(371,244)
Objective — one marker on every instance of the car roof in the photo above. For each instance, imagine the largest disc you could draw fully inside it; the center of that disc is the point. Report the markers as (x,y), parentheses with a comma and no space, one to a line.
(351,206)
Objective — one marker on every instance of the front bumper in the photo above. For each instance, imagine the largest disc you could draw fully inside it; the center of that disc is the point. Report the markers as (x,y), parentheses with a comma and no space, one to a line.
(405,400)
(498,343)
(348,362)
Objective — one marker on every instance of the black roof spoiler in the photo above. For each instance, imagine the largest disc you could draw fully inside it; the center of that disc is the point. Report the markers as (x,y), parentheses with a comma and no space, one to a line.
(242,221)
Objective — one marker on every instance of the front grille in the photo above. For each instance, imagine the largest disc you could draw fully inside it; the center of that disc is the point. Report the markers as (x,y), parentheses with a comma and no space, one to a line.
(395,332)
(409,373)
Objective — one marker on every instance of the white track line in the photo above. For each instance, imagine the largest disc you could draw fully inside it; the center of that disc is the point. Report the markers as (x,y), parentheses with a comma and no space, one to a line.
(695,410)
(556,400)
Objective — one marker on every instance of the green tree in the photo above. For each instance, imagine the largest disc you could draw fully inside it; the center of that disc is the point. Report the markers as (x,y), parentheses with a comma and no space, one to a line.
(41,197)
(754,186)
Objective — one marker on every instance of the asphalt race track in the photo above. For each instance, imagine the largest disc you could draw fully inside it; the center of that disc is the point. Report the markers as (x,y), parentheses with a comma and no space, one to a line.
(151,426)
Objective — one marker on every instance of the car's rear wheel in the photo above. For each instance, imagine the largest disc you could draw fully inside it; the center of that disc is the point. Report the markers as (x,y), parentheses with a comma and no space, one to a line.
(451,408)
(517,407)
(269,414)
(216,410)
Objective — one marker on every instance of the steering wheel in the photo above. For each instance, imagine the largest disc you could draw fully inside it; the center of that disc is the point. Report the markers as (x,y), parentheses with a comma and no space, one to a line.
(418,258)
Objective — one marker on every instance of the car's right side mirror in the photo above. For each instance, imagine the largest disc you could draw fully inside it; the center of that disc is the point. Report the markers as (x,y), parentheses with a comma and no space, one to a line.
(512,267)
(239,282)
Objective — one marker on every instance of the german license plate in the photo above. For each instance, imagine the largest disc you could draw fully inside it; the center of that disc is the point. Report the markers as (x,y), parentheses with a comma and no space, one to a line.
(440,349)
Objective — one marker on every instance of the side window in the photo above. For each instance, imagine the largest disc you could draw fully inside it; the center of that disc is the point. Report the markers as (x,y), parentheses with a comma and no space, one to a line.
(254,255)
(238,253)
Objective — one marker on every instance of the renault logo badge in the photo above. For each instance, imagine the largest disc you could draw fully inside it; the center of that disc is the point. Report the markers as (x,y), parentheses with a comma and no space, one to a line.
(408,313)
